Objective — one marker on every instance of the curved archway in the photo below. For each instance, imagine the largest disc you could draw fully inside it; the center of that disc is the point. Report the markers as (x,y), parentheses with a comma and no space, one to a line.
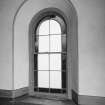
(22,38)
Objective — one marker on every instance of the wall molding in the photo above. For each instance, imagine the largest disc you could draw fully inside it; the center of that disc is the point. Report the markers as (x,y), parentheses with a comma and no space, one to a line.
(75,97)
(91,100)
(6,93)
(19,92)
(87,100)
(13,93)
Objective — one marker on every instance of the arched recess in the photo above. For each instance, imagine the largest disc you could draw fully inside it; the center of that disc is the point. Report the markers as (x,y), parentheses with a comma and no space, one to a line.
(24,19)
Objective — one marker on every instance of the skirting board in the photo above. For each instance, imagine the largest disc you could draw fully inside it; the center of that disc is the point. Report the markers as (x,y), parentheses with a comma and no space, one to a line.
(91,100)
(6,93)
(19,92)
(75,97)
(87,100)
(13,93)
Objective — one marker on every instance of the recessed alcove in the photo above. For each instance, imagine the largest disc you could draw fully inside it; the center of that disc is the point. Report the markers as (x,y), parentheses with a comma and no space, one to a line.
(27,18)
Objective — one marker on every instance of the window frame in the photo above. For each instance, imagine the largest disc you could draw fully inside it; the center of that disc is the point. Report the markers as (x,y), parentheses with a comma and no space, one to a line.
(40,16)
(62,53)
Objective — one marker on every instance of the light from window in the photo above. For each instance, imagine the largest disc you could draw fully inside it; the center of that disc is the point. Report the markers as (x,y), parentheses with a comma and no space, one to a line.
(44,28)
(50,56)
(55,27)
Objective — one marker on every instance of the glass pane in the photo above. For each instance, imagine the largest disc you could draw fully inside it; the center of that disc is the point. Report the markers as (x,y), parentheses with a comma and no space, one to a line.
(55,61)
(43,89)
(43,79)
(55,90)
(64,91)
(43,62)
(44,28)
(55,43)
(43,44)
(55,27)
(36,44)
(64,80)
(63,62)
(64,47)
(35,79)
(35,89)
(35,62)
(55,79)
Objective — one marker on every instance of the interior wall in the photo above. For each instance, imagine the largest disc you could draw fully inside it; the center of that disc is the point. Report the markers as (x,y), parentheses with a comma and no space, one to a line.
(91,50)
(7,12)
(91,44)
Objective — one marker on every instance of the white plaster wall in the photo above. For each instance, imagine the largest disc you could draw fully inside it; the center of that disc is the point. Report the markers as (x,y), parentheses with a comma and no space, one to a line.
(7,11)
(91,37)
(91,43)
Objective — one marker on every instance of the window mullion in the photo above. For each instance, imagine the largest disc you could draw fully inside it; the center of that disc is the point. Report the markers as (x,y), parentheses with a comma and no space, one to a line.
(49,55)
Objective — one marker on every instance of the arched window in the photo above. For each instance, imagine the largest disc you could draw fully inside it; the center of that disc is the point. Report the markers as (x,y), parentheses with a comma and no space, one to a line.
(50,55)
(37,41)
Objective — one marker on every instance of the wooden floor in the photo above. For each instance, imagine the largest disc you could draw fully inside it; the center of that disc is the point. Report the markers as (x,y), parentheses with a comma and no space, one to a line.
(26,100)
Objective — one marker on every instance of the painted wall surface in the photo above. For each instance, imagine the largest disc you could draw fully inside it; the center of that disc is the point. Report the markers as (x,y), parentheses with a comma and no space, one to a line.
(91,37)
(7,11)
(91,44)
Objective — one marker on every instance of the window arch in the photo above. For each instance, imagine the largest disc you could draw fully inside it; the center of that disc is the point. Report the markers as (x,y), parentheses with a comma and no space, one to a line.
(50,55)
